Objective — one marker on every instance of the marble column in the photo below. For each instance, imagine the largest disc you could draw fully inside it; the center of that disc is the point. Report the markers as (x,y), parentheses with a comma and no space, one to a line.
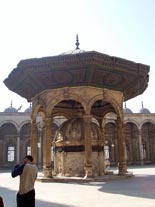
(101,153)
(40,129)
(18,148)
(47,166)
(88,146)
(122,167)
(33,141)
(140,148)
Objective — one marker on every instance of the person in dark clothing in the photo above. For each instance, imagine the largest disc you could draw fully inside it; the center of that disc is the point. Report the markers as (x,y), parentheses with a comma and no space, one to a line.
(28,174)
(1,202)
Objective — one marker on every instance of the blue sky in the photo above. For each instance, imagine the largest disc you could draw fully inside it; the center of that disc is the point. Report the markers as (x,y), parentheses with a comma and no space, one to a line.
(39,28)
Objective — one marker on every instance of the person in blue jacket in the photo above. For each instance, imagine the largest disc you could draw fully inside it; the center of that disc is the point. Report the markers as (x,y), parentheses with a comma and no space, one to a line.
(28,174)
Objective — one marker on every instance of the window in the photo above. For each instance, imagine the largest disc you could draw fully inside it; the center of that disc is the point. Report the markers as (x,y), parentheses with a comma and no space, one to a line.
(52,153)
(11,154)
(107,151)
(127,152)
(28,150)
(144,151)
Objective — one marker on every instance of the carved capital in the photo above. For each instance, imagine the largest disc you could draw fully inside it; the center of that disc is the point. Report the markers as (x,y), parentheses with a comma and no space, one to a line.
(87,118)
(48,121)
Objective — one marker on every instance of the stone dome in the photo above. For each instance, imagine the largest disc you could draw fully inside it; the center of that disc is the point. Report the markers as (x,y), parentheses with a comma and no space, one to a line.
(144,110)
(29,110)
(73,130)
(127,110)
(11,109)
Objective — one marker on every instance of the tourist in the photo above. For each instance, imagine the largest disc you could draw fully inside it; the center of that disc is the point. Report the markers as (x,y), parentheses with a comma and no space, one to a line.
(28,174)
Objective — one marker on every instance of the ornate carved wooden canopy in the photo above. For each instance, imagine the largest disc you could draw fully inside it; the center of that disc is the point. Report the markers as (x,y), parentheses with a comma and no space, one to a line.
(33,76)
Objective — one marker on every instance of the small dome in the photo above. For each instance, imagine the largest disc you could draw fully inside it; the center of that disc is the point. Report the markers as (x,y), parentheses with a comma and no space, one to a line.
(11,109)
(29,110)
(77,49)
(127,110)
(144,110)
(73,52)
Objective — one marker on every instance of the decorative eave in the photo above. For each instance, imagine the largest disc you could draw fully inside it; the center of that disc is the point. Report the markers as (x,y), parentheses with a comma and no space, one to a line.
(32,76)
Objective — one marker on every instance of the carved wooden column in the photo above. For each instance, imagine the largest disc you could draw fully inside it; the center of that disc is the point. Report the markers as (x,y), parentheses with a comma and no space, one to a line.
(47,168)
(140,148)
(122,167)
(33,141)
(88,146)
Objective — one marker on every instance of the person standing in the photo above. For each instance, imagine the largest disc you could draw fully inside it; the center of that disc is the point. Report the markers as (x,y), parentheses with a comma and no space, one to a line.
(28,174)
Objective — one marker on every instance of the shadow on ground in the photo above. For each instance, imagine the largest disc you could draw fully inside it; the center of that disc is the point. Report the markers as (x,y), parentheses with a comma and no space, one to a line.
(142,186)
(138,186)
(9,199)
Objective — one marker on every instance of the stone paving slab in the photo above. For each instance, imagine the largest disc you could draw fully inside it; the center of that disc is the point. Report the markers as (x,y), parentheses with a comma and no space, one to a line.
(138,191)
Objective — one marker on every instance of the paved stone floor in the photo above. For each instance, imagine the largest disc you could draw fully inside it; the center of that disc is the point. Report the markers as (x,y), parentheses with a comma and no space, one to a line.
(138,191)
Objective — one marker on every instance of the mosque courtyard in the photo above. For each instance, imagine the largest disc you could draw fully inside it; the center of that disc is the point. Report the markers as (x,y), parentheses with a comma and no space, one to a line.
(137,191)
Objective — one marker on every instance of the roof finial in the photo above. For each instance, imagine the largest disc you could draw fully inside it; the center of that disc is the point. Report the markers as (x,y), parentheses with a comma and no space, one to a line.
(77,43)
(142,105)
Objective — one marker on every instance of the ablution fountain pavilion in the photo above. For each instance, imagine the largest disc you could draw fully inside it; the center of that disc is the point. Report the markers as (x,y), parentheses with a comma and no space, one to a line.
(84,87)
